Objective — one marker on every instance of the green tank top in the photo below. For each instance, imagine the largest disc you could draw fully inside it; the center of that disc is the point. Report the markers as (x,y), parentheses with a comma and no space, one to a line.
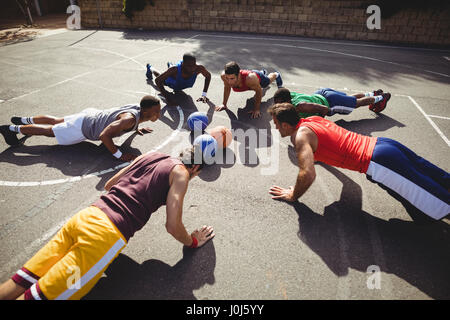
(296,98)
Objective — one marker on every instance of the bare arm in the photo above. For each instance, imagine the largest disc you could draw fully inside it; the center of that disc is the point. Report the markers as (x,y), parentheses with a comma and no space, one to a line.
(124,122)
(174,205)
(252,82)
(312,108)
(171,72)
(304,145)
(207,76)
(179,179)
(226,94)
(307,172)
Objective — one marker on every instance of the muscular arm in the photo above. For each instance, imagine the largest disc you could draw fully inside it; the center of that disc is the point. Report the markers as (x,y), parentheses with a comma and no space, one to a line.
(252,82)
(305,143)
(207,76)
(307,172)
(124,121)
(306,107)
(174,205)
(226,93)
(171,72)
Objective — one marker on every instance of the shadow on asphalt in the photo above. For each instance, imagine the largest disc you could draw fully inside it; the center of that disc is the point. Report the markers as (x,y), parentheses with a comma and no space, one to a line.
(72,160)
(417,252)
(155,280)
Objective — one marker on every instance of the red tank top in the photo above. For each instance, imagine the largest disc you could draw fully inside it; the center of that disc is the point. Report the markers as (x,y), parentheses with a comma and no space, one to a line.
(340,147)
(138,193)
(244,87)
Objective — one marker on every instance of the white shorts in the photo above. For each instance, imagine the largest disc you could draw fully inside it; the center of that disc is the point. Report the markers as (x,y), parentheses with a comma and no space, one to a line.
(69,131)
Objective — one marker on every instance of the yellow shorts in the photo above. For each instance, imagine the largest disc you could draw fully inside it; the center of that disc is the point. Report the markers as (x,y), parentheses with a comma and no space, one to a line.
(72,262)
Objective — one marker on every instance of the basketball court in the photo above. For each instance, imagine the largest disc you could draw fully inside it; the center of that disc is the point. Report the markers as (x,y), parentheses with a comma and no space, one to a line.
(323,247)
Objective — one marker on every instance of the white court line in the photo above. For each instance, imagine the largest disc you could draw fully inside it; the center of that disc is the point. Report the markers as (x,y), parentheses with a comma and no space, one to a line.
(430,121)
(95,70)
(77,178)
(111,52)
(439,117)
(324,42)
(346,54)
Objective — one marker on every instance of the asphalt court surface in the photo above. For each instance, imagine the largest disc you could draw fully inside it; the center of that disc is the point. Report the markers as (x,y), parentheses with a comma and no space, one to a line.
(319,248)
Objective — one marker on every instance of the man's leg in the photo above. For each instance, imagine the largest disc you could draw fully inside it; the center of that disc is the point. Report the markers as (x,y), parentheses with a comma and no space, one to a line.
(36,120)
(36,130)
(367,99)
(10,290)
(364,101)
(37,266)
(74,260)
(415,179)
(339,101)
(276,76)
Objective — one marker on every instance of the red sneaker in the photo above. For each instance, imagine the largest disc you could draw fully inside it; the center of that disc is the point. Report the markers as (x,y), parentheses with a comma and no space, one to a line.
(378,92)
(380,106)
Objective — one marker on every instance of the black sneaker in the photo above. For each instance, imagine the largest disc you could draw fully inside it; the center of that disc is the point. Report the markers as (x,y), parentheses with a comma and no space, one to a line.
(10,137)
(16,120)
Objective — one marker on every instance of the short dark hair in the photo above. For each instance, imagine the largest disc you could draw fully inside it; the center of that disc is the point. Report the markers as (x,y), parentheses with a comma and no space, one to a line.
(285,112)
(148,102)
(189,57)
(192,156)
(232,68)
(282,95)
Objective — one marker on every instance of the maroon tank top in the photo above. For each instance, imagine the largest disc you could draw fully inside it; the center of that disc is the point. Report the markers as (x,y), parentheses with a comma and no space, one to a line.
(138,193)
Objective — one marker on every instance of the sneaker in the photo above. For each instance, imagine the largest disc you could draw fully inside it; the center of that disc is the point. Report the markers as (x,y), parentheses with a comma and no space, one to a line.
(279,80)
(378,92)
(16,120)
(149,73)
(380,106)
(10,137)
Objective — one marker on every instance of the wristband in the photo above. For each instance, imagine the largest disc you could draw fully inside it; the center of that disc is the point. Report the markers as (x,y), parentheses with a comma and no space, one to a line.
(118,154)
(203,94)
(194,242)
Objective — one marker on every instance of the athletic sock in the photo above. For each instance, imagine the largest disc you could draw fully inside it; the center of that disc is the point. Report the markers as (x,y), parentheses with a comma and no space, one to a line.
(368,94)
(378,99)
(14,128)
(27,120)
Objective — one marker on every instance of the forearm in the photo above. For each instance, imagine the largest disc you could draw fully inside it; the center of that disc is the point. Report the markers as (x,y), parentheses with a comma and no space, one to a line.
(109,143)
(160,84)
(304,181)
(180,233)
(226,95)
(312,108)
(206,85)
(257,99)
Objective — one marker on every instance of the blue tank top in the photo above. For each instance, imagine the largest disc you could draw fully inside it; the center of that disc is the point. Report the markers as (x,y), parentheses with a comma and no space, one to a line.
(180,83)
